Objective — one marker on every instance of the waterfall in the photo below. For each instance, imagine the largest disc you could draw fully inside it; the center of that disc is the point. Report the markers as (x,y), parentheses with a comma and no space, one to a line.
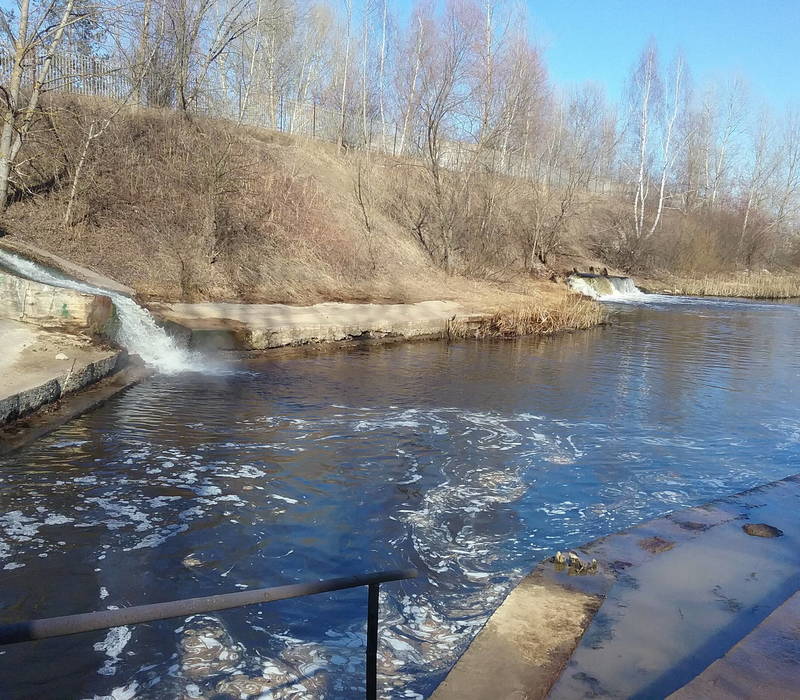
(137,330)
(605,288)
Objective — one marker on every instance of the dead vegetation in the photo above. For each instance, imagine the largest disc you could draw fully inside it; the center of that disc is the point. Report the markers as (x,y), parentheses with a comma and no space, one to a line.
(572,312)
(752,285)
(196,209)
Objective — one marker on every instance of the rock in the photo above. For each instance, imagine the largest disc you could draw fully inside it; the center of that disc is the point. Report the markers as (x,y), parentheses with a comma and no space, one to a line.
(191,561)
(206,648)
(61,356)
(656,545)
(761,530)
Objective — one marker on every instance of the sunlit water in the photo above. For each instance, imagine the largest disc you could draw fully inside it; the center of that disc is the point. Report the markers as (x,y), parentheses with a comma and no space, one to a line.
(470,461)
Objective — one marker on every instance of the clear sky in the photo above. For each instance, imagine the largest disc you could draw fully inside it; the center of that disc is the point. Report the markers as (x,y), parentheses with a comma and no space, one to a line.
(599,40)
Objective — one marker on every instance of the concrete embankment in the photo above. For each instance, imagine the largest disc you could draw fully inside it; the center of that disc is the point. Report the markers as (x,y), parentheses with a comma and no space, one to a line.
(49,344)
(46,306)
(39,366)
(688,596)
(221,326)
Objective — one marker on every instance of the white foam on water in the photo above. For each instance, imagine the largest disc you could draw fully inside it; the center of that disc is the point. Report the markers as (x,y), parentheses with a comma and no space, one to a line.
(113,645)
(127,692)
(138,331)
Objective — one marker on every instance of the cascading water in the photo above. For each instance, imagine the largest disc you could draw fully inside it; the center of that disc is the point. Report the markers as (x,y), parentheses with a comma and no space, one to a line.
(137,330)
(605,288)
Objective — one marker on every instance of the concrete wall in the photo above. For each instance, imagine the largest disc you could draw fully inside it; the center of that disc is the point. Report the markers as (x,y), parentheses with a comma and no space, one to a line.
(52,307)
(67,381)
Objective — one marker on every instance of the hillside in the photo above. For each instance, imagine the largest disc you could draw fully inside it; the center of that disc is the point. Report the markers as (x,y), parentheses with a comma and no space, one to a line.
(183,209)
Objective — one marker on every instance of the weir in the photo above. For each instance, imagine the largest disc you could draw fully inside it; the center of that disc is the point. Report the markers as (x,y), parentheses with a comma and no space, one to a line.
(136,331)
(604,287)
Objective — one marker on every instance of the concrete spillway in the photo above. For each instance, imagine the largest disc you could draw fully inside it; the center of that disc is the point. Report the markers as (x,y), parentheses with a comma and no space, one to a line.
(604,287)
(137,330)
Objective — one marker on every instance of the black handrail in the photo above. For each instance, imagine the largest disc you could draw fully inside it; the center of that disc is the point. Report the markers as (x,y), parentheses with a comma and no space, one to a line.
(31,630)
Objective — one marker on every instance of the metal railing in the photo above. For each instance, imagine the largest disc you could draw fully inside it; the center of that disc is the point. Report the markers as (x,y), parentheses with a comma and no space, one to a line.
(31,630)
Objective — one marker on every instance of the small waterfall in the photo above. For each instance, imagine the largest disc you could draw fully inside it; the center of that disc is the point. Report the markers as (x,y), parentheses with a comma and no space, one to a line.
(605,288)
(137,331)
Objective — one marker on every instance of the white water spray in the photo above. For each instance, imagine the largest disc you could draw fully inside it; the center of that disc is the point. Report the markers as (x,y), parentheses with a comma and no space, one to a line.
(606,288)
(137,332)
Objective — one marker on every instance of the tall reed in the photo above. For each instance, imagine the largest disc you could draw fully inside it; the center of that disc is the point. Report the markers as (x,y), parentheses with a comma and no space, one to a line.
(571,312)
(755,285)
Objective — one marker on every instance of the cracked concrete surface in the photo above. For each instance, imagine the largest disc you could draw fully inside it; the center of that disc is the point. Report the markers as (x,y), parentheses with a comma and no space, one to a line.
(687,596)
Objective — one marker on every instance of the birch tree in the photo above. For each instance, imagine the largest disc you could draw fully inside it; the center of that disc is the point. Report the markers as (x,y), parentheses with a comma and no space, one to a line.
(408,78)
(657,106)
(345,68)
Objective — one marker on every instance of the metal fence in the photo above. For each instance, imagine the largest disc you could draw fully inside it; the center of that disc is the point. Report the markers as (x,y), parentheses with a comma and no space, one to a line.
(32,630)
(81,74)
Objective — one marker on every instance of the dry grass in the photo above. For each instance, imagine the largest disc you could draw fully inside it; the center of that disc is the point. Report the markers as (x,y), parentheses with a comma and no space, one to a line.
(568,312)
(753,285)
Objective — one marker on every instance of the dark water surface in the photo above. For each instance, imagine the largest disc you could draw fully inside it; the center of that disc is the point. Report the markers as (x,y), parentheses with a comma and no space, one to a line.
(469,461)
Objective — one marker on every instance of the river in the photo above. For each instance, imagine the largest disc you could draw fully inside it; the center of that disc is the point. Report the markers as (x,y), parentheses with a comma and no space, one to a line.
(469,461)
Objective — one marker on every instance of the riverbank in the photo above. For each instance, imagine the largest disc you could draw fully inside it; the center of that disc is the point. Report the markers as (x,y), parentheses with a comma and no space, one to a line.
(683,600)
(80,318)
(753,285)
(42,366)
(223,326)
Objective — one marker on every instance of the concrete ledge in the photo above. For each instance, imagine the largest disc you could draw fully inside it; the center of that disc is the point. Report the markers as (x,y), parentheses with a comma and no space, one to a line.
(211,326)
(668,598)
(75,378)
(525,644)
(28,429)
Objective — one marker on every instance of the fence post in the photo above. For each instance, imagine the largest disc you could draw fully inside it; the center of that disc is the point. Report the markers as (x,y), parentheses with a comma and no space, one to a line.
(372,641)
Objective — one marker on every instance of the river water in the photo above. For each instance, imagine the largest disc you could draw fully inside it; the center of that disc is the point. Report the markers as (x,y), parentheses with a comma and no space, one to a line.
(469,461)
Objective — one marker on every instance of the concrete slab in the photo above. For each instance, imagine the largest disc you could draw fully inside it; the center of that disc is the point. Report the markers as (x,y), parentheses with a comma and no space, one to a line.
(668,618)
(261,326)
(677,593)
(765,664)
(32,373)
(524,645)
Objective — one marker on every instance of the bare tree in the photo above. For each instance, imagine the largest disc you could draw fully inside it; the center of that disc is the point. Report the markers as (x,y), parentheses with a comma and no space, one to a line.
(345,68)
(34,33)
(202,31)
(657,106)
(579,141)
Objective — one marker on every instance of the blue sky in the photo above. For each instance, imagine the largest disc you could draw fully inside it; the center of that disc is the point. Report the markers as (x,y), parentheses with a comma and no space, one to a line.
(598,40)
